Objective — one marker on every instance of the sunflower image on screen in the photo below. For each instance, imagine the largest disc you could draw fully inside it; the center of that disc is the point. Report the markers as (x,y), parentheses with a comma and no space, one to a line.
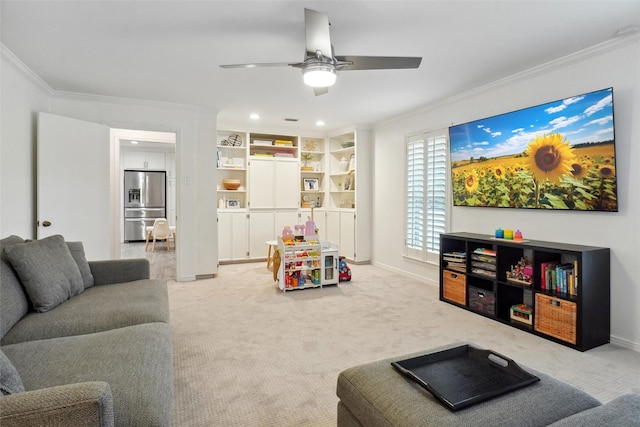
(559,155)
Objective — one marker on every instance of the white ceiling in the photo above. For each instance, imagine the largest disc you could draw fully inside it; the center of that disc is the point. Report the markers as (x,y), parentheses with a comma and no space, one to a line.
(170,51)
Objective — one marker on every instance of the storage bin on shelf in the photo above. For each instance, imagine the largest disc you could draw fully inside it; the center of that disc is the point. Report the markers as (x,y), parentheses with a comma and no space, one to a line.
(454,287)
(482,300)
(556,317)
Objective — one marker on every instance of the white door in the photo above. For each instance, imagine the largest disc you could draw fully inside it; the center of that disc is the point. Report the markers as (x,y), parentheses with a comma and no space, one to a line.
(261,230)
(232,236)
(134,159)
(240,232)
(287,183)
(225,236)
(73,188)
(348,235)
(261,182)
(332,233)
(285,217)
(319,217)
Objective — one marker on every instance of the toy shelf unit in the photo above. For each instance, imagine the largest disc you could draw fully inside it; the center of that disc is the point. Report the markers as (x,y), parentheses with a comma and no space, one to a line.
(554,290)
(232,168)
(300,265)
(271,145)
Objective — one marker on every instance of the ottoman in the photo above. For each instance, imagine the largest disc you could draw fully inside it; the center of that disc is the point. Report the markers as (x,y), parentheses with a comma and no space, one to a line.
(375,394)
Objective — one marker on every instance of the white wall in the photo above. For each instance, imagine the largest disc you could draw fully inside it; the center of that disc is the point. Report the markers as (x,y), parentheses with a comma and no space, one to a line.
(20,99)
(616,65)
(197,252)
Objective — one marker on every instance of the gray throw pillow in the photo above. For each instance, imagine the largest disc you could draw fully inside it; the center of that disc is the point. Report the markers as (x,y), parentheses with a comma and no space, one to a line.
(10,381)
(47,270)
(77,252)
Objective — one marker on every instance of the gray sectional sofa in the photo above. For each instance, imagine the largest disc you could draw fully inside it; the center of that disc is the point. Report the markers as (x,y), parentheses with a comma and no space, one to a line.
(81,342)
(376,395)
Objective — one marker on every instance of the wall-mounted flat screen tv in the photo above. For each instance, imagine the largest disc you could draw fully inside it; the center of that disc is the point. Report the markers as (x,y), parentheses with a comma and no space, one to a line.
(559,155)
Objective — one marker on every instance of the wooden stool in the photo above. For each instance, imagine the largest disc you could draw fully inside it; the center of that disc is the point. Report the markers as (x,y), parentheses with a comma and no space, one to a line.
(272,248)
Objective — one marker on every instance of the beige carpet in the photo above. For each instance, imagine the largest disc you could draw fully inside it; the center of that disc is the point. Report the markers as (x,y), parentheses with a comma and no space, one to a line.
(248,355)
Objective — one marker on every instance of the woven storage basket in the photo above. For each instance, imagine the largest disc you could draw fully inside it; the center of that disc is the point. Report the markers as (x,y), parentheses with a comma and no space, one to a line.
(454,288)
(556,317)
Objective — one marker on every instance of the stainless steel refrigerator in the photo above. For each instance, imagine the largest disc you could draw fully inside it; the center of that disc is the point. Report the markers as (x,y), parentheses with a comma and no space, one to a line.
(144,201)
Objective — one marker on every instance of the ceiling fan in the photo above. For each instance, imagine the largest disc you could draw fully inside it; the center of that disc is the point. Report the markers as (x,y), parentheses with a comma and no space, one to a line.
(320,66)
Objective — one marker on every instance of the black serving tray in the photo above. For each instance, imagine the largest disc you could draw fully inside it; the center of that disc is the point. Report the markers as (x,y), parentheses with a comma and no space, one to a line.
(465,375)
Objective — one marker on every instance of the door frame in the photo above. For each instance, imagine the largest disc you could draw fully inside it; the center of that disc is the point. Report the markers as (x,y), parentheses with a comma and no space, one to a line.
(117,185)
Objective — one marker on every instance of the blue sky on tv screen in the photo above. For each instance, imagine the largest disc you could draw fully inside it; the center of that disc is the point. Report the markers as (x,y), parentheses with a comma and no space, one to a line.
(580,119)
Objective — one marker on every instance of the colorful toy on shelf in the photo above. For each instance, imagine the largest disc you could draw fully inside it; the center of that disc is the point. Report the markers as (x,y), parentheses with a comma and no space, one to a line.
(517,235)
(522,272)
(310,230)
(499,233)
(508,234)
(299,232)
(287,234)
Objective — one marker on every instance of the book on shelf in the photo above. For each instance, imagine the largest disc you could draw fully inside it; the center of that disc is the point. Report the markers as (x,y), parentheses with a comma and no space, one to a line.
(485,251)
(455,260)
(283,142)
(483,272)
(263,142)
(483,258)
(545,268)
(455,256)
(560,278)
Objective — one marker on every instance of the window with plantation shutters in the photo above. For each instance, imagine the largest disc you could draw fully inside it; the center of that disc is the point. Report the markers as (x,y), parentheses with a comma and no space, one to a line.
(426,196)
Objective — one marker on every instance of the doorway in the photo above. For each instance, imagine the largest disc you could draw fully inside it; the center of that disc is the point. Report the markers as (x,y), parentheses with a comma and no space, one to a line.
(152,154)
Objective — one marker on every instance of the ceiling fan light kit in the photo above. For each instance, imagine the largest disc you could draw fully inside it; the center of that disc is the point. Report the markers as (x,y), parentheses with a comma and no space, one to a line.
(320,66)
(319,75)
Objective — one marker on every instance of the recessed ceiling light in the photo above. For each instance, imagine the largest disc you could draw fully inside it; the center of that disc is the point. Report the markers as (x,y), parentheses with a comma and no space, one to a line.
(254,116)
(320,123)
(134,142)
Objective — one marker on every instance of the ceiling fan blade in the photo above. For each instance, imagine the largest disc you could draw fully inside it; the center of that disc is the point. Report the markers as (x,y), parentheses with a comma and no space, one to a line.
(378,62)
(320,90)
(260,64)
(317,33)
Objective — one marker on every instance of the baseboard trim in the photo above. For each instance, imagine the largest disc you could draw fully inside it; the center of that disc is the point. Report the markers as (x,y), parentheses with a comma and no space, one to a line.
(406,274)
(621,342)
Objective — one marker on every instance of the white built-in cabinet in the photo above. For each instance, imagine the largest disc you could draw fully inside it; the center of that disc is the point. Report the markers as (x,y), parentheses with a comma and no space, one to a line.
(151,160)
(233,235)
(349,202)
(266,225)
(274,183)
(282,177)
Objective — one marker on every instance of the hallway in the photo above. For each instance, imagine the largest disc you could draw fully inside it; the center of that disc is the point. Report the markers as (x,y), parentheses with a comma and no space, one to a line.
(163,263)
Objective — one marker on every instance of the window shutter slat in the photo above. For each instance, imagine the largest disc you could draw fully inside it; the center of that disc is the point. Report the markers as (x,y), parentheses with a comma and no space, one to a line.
(426,191)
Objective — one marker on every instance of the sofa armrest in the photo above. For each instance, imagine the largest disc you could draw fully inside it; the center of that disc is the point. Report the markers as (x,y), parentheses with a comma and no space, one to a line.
(119,270)
(80,404)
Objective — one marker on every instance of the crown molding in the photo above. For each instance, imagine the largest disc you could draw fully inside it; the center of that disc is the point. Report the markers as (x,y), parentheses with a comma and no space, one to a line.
(571,58)
(27,72)
(22,68)
(106,99)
